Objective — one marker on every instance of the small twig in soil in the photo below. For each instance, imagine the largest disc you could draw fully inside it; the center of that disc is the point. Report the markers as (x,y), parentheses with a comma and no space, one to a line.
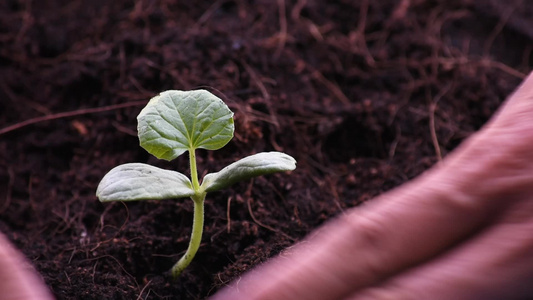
(9,190)
(332,182)
(449,62)
(264,92)
(123,129)
(68,277)
(401,10)
(432,108)
(434,139)
(266,96)
(144,288)
(249,204)
(228,213)
(505,16)
(68,114)
(207,14)
(394,143)
(15,100)
(332,87)
(297,9)
(94,271)
(117,261)
(359,35)
(283,28)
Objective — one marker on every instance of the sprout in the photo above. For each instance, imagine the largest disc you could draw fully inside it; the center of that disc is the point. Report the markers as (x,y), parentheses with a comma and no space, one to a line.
(172,123)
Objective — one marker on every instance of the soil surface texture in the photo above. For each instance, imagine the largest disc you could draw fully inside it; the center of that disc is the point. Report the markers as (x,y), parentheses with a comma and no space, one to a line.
(364,94)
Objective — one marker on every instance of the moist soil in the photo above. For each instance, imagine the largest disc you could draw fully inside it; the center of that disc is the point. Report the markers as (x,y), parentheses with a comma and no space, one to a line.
(364,94)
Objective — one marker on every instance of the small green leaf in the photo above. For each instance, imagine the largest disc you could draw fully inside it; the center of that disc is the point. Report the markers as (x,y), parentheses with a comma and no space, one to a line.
(177,121)
(248,167)
(136,181)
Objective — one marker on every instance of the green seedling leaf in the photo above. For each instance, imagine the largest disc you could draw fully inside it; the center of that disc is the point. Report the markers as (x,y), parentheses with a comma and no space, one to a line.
(136,181)
(177,121)
(248,167)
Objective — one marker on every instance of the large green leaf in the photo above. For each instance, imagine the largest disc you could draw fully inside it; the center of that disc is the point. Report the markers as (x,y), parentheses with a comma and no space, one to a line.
(248,167)
(136,181)
(177,121)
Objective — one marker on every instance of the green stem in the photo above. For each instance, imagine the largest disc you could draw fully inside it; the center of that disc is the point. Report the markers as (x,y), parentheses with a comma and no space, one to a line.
(197,222)
(196,236)
(194,172)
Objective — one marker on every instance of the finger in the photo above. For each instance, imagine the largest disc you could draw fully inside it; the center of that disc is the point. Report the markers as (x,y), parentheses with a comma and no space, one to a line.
(367,245)
(517,107)
(17,278)
(498,264)
(504,144)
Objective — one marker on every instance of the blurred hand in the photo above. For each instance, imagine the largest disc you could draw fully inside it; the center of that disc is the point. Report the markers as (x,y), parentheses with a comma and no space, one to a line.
(462,230)
(18,279)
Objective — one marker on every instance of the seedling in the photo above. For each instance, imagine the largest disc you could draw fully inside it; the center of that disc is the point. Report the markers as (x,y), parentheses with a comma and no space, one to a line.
(172,123)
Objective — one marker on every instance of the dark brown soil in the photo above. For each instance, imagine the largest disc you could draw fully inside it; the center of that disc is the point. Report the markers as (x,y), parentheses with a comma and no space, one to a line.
(364,94)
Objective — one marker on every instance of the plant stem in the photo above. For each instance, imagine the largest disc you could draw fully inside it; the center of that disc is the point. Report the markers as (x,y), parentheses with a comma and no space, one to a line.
(196,236)
(194,171)
(197,222)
